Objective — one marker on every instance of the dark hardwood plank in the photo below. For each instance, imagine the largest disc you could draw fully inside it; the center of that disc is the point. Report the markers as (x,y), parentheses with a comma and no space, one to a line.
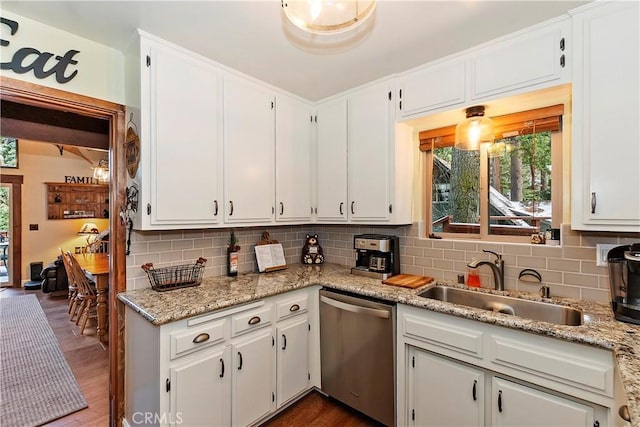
(88,359)
(316,410)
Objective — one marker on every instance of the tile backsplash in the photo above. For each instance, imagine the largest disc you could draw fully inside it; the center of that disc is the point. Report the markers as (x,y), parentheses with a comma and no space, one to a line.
(569,270)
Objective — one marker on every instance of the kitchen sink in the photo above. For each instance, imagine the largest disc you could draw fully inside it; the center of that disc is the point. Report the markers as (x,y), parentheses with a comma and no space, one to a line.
(535,310)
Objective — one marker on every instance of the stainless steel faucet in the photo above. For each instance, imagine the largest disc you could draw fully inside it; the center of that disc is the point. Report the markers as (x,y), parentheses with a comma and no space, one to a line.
(497,267)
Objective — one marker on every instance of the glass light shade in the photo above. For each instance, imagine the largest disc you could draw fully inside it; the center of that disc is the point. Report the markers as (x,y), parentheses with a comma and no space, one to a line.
(474,130)
(101,172)
(326,16)
(89,228)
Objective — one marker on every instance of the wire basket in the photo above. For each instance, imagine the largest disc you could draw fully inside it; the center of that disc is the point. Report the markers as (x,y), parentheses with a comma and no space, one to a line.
(175,277)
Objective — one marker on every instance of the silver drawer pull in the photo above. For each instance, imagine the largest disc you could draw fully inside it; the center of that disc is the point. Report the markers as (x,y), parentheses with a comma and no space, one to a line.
(200,338)
(254,320)
(294,307)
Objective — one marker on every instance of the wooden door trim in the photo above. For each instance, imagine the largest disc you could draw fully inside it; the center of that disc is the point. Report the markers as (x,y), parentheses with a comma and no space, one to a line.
(37,95)
(16,227)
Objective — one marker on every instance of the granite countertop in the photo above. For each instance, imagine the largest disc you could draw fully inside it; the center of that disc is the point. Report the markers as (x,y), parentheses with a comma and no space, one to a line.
(215,293)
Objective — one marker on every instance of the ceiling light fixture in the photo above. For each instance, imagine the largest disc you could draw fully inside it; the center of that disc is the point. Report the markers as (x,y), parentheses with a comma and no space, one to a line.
(476,129)
(328,16)
(101,171)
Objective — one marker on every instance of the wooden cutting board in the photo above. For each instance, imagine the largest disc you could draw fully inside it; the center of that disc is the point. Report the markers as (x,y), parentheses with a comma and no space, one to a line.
(408,280)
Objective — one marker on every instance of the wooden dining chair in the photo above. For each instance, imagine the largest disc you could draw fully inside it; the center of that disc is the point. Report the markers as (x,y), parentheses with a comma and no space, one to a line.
(72,287)
(85,307)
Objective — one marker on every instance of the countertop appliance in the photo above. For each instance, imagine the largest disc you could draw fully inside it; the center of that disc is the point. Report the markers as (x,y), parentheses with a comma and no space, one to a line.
(357,345)
(377,255)
(624,278)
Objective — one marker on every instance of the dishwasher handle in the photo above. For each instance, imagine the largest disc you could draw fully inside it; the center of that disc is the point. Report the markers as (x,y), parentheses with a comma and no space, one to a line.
(382,314)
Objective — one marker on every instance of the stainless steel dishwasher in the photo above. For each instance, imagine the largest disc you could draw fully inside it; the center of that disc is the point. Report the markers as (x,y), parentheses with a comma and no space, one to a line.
(357,346)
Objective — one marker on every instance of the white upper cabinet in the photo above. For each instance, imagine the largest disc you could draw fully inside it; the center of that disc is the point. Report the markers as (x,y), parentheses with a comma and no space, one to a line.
(606,130)
(369,153)
(249,150)
(293,160)
(176,102)
(438,85)
(331,161)
(530,59)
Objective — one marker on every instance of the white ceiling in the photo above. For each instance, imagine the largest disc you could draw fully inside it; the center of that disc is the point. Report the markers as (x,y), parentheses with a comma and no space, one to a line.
(254,37)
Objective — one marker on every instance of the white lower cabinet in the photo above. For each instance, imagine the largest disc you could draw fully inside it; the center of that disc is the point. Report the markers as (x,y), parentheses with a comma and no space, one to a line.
(200,388)
(516,405)
(293,358)
(231,367)
(253,395)
(429,405)
(479,374)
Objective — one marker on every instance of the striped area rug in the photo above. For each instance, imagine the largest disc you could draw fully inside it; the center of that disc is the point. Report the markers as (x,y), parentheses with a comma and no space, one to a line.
(36,382)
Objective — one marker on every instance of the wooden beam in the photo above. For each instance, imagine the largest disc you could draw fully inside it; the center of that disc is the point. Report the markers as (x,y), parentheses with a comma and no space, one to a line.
(21,129)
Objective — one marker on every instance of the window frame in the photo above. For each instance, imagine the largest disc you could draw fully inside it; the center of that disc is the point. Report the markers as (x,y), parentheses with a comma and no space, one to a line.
(484,234)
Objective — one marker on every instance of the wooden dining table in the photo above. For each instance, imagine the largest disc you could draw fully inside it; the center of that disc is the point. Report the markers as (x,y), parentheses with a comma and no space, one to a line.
(98,265)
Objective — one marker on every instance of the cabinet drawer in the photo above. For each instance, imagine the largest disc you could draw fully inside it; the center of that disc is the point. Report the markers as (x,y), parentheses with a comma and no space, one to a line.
(252,319)
(192,339)
(579,366)
(444,335)
(292,306)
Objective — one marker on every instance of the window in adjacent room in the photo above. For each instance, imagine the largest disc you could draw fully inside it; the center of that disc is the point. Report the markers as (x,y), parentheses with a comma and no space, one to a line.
(510,188)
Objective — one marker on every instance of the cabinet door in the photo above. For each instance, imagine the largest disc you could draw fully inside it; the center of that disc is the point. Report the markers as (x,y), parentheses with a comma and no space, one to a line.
(200,390)
(184,153)
(249,150)
(437,86)
(331,161)
(293,160)
(293,358)
(370,156)
(534,58)
(435,383)
(517,405)
(253,393)
(606,131)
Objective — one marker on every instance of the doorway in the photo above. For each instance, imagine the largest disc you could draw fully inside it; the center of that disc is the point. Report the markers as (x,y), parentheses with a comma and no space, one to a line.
(11,231)
(5,228)
(32,95)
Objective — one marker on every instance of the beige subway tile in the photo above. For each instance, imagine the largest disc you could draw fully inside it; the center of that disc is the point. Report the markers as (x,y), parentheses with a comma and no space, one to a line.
(582,280)
(443,264)
(546,251)
(435,273)
(590,267)
(551,276)
(424,243)
(603,282)
(192,255)
(409,250)
(145,236)
(495,247)
(168,257)
(140,247)
(178,245)
(569,237)
(572,252)
(433,253)
(192,234)
(465,246)
(135,272)
(408,260)
(423,262)
(629,238)
(171,235)
(441,244)
(598,295)
(146,258)
(413,269)
(160,246)
(560,264)
(531,262)
(592,239)
(453,255)
(203,243)
(515,249)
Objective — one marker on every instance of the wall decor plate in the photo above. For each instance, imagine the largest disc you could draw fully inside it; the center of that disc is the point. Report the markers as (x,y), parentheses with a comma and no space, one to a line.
(132,152)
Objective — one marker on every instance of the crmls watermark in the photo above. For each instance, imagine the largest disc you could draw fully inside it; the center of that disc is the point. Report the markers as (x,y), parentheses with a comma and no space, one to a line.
(155,418)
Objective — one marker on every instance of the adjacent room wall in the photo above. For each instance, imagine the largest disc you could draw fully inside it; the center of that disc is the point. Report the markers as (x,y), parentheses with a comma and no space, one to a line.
(41,162)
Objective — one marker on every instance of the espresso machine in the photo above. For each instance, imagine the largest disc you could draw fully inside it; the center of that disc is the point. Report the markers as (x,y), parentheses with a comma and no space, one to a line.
(377,255)
(624,278)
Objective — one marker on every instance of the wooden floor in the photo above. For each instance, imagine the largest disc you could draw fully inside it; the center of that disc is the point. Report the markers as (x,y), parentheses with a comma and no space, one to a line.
(88,359)
(319,411)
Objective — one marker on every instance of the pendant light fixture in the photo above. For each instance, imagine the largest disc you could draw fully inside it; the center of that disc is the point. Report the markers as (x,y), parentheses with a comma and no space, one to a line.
(328,16)
(476,129)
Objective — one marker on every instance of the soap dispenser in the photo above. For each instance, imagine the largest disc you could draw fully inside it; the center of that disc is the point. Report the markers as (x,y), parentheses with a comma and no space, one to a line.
(473,280)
